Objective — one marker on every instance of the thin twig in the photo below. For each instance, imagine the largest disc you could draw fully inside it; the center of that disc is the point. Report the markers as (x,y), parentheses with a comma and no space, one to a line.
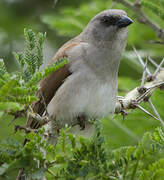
(144,75)
(147,112)
(158,68)
(27,130)
(156,85)
(156,112)
(141,61)
(152,61)
(135,95)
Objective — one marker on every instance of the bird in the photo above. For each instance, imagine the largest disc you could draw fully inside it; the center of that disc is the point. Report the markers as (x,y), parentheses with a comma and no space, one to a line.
(86,87)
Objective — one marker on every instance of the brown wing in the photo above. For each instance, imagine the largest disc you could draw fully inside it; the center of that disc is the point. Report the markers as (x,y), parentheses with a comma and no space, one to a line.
(52,82)
(50,85)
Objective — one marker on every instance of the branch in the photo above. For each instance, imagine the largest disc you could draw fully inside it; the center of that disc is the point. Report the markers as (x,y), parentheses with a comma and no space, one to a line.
(142,18)
(131,101)
(27,130)
(138,97)
(142,94)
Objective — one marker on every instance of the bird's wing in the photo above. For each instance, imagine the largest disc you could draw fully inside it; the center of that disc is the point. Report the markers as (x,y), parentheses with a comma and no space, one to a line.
(50,84)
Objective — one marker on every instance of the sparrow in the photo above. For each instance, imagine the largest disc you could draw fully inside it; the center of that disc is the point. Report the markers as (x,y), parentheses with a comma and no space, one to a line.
(86,87)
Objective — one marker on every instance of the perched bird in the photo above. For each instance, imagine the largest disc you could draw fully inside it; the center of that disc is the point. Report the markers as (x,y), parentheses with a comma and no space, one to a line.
(86,87)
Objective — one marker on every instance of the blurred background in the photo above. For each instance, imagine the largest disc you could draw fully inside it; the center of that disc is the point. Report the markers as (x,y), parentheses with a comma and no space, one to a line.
(62,20)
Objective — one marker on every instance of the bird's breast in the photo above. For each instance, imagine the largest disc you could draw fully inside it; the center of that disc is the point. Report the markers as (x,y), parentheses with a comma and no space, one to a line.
(101,99)
(93,96)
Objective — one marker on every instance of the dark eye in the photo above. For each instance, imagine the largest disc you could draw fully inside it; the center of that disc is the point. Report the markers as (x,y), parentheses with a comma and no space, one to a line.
(109,20)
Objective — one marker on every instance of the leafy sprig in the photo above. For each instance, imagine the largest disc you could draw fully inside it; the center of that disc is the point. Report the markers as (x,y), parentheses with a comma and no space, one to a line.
(17,90)
(78,157)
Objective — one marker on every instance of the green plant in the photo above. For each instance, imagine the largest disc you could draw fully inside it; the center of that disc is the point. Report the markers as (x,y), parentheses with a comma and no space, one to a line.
(17,90)
(73,157)
(77,157)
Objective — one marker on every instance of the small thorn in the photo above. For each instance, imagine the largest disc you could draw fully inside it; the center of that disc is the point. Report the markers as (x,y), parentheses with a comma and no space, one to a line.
(158,68)
(156,112)
(142,89)
(144,74)
(141,61)
(147,112)
(152,61)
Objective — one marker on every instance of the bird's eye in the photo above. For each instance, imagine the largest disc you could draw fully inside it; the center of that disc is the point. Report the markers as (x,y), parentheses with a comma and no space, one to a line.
(109,20)
(105,19)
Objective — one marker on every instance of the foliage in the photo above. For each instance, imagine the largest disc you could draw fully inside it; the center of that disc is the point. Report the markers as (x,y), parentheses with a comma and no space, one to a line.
(31,59)
(30,157)
(77,157)
(73,20)
(155,6)
(17,90)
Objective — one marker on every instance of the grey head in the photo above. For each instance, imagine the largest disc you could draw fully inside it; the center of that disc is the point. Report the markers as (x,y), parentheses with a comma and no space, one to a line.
(108,25)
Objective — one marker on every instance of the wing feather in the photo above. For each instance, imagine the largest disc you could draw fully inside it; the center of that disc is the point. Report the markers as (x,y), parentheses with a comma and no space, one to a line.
(50,84)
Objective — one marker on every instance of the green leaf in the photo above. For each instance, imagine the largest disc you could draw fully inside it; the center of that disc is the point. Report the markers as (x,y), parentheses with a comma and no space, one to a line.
(11,106)
(38,174)
(3,168)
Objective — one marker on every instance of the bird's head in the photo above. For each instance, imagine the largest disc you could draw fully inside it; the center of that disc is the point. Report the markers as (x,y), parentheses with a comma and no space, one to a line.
(108,25)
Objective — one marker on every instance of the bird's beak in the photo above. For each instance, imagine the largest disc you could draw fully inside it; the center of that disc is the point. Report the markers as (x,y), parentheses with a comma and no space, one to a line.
(124,21)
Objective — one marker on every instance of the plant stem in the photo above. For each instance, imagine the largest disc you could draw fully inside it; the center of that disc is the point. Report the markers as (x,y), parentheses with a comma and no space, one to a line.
(135,169)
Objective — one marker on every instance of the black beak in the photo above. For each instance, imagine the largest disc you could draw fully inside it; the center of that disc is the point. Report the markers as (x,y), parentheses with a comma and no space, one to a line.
(124,21)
